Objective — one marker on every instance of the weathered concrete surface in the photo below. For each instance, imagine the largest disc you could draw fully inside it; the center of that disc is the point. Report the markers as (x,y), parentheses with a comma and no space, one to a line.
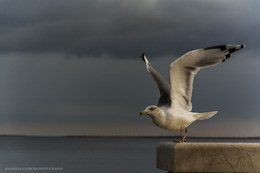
(209,157)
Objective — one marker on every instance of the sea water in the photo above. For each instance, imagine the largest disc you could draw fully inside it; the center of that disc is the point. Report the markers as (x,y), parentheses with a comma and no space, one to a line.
(84,154)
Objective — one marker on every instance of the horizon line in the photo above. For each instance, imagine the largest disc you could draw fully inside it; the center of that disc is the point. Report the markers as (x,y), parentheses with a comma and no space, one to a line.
(129,136)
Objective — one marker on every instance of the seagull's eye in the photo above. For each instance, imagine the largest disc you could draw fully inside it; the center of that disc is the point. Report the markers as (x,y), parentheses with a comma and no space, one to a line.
(151,109)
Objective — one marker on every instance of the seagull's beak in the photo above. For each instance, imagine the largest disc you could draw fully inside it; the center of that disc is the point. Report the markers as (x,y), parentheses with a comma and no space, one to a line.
(142,112)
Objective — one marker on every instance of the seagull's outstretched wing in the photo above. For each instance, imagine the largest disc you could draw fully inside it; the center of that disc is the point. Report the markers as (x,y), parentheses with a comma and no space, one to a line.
(162,84)
(183,70)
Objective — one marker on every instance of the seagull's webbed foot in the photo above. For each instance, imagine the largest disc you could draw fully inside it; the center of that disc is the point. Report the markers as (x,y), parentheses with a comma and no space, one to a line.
(181,141)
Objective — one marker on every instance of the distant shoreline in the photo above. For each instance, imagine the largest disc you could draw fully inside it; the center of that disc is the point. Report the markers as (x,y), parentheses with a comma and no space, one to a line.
(100,136)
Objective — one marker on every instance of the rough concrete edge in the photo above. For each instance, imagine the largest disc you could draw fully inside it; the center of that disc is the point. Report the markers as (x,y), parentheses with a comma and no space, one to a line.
(169,161)
(170,158)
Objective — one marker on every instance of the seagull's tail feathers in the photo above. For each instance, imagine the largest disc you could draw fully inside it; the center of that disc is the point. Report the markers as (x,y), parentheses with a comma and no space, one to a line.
(205,115)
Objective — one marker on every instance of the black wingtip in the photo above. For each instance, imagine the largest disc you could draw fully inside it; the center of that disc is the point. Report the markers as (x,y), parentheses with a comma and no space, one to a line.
(228,55)
(221,47)
(233,49)
(240,46)
(226,47)
(243,46)
(142,56)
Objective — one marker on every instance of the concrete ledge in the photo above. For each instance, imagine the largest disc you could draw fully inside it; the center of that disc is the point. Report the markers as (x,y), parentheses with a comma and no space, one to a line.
(208,157)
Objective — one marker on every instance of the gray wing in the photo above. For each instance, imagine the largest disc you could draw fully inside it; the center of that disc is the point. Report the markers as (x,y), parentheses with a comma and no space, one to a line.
(183,70)
(162,84)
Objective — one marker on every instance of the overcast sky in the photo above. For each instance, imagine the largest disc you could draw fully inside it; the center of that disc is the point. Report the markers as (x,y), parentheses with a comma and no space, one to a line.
(73,67)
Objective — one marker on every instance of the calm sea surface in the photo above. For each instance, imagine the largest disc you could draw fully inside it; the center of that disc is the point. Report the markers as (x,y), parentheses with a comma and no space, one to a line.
(84,154)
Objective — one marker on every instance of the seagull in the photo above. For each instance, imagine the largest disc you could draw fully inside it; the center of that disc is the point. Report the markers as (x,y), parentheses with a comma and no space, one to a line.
(173,111)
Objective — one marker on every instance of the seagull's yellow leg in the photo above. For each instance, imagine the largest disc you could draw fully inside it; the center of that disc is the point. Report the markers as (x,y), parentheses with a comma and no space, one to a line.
(185,135)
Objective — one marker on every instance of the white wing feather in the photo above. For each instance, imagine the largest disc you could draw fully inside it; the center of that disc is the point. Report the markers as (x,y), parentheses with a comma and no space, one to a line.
(183,70)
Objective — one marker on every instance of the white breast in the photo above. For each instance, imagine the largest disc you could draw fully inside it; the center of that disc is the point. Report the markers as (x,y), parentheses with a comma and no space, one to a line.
(173,120)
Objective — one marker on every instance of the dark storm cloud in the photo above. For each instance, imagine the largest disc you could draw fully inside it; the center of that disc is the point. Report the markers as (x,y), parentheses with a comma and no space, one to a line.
(124,28)
(39,85)
(55,89)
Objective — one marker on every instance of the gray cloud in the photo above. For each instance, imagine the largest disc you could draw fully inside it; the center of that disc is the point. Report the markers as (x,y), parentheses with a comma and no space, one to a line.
(54,89)
(125,28)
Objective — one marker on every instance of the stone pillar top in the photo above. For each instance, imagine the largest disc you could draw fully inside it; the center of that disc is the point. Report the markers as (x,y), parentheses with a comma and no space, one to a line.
(208,157)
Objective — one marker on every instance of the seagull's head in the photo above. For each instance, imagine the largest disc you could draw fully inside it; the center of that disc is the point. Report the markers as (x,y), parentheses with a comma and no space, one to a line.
(152,111)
